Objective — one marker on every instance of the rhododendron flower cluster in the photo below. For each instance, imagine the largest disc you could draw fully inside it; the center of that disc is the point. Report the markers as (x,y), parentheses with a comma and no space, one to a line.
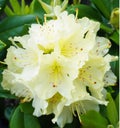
(62,66)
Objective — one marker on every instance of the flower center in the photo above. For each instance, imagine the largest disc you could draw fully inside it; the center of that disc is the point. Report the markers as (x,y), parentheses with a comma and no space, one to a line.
(56,73)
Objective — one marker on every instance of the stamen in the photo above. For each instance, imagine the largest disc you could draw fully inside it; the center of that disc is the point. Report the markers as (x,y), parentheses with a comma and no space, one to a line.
(76,13)
(78,113)
(45,19)
(13,42)
(37,19)
(26,99)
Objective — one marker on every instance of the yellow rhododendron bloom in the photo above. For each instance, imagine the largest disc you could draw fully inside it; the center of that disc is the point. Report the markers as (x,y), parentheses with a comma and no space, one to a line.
(62,66)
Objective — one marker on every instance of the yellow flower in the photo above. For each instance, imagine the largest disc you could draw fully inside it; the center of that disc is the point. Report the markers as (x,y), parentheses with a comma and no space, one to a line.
(62,65)
(56,74)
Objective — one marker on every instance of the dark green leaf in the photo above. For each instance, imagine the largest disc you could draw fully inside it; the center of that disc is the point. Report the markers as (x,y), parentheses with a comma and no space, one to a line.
(112,111)
(17,120)
(117,102)
(2,4)
(22,120)
(37,9)
(14,26)
(93,119)
(104,7)
(85,11)
(2,67)
(26,107)
(2,45)
(30,121)
(6,94)
(114,3)
(106,28)
(115,37)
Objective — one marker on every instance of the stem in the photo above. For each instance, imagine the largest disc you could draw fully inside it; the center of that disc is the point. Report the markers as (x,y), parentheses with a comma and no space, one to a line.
(106,29)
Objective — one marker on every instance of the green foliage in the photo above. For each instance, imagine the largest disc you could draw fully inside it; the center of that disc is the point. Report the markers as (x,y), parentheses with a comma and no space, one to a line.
(103,6)
(26,107)
(93,119)
(30,121)
(17,119)
(23,120)
(85,10)
(15,26)
(2,45)
(17,8)
(106,6)
(115,37)
(112,112)
(117,102)
(2,4)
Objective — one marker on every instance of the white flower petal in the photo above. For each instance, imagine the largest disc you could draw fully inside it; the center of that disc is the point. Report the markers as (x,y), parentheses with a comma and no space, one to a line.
(102,46)
(110,78)
(65,117)
(55,74)
(39,105)
(17,86)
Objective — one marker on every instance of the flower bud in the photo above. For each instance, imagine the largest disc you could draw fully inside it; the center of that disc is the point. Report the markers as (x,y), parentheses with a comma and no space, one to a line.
(114,18)
(55,7)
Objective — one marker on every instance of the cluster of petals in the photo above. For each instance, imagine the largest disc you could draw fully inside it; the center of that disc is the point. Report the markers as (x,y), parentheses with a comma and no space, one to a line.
(62,66)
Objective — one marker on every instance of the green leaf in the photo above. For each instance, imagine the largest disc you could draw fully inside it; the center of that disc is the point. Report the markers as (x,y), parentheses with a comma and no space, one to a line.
(93,119)
(106,28)
(6,94)
(22,6)
(115,37)
(22,120)
(8,11)
(30,121)
(104,7)
(112,113)
(17,120)
(14,26)
(18,9)
(45,6)
(26,107)
(114,4)
(37,9)
(2,4)
(2,45)
(85,11)
(117,102)
(16,6)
